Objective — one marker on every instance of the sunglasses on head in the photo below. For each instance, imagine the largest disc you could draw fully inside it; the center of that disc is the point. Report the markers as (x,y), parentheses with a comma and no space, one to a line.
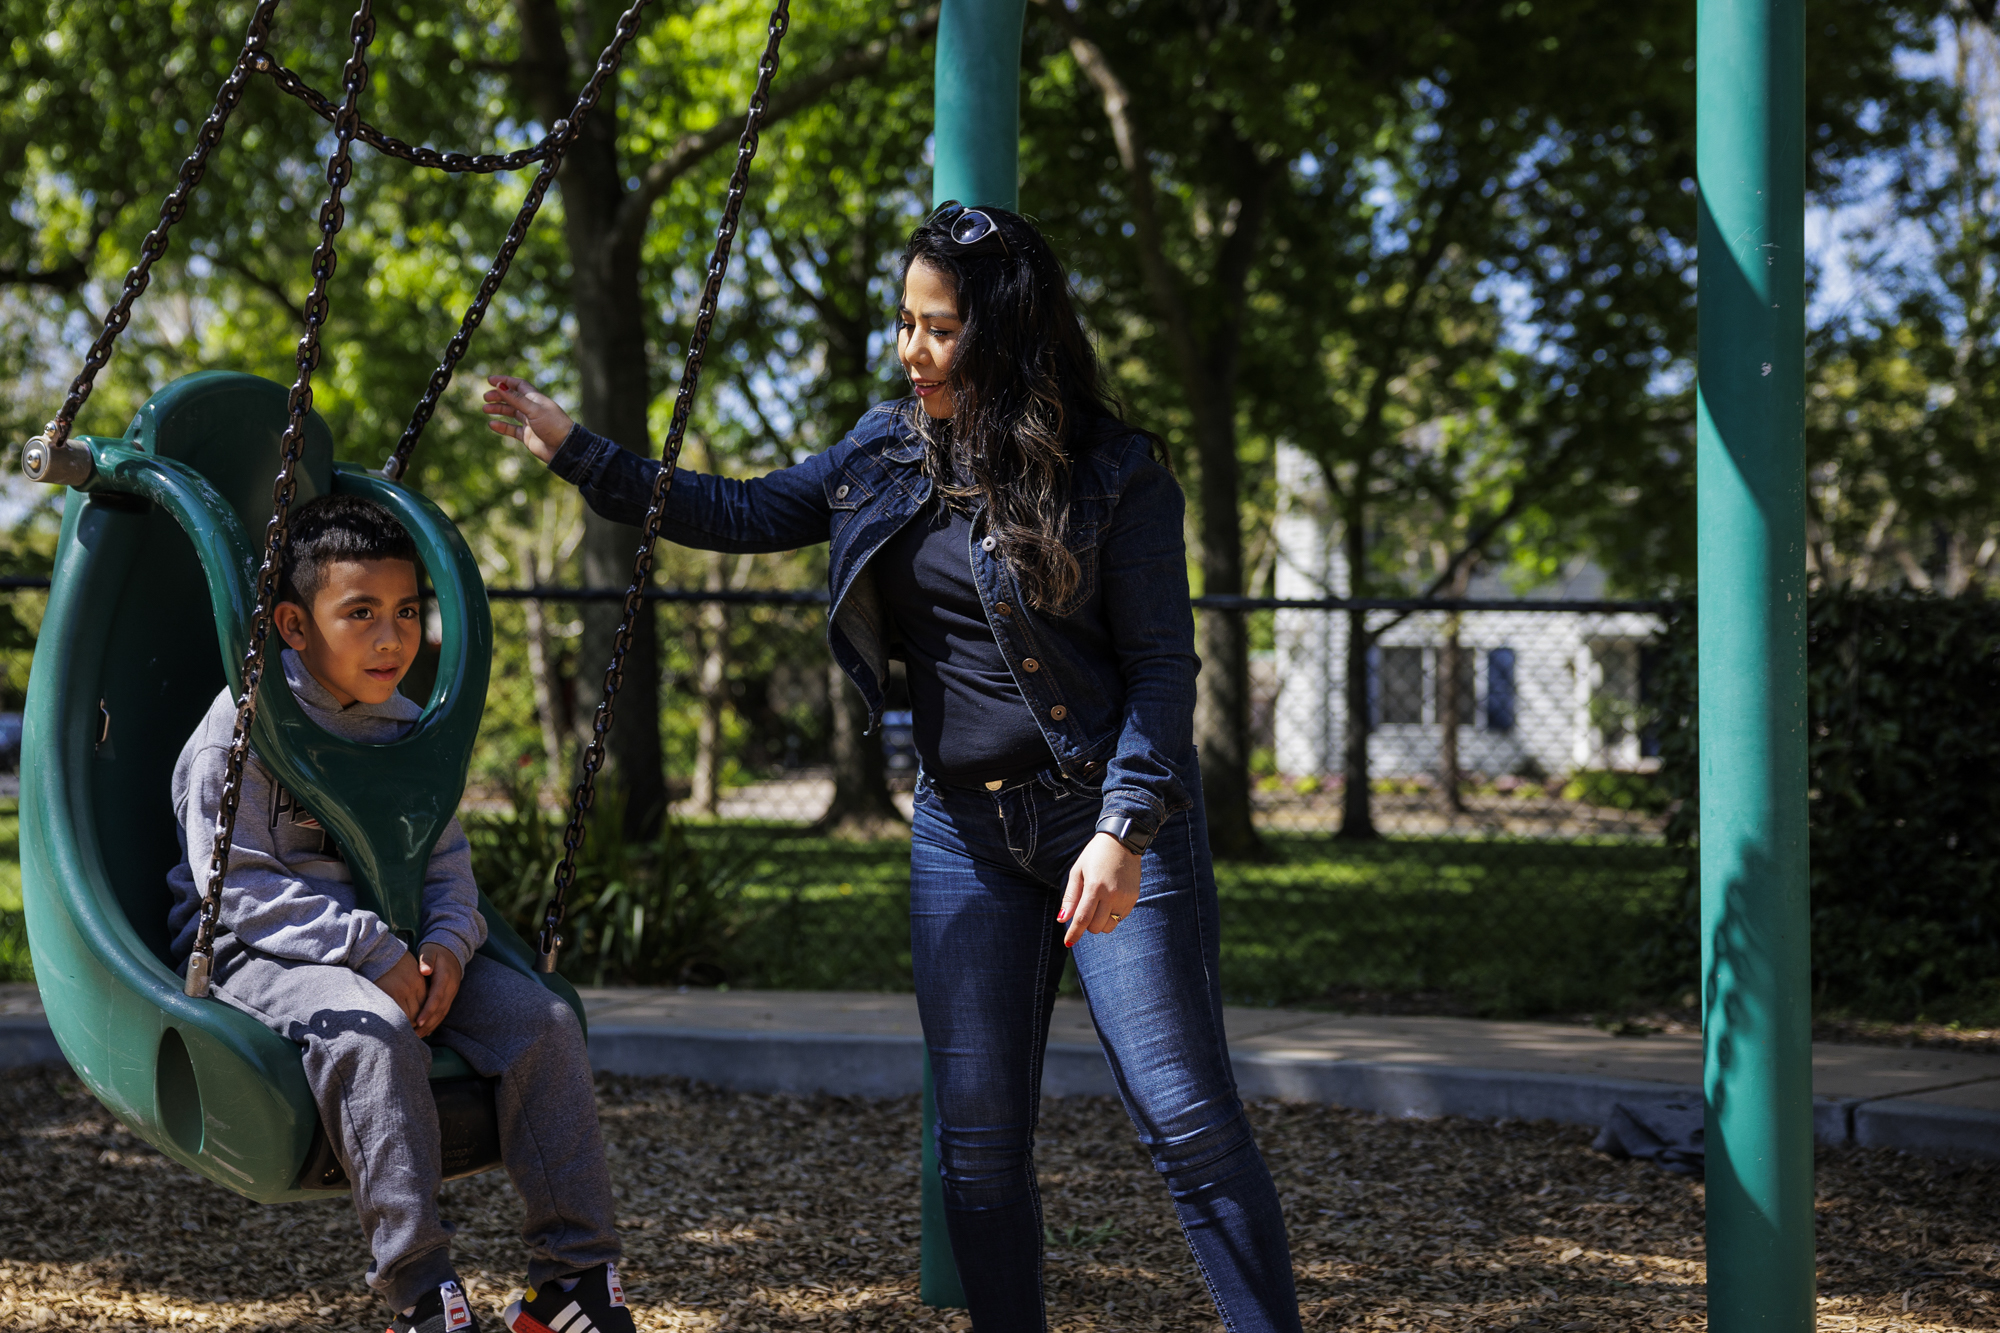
(967,226)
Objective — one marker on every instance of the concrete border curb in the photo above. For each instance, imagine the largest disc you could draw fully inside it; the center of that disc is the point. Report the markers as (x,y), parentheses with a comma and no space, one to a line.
(800,1063)
(854,1065)
(804,1063)
(27,1041)
(1927,1128)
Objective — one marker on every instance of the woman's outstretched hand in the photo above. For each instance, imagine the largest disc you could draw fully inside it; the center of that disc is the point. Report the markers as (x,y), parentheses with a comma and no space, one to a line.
(518,409)
(1103,889)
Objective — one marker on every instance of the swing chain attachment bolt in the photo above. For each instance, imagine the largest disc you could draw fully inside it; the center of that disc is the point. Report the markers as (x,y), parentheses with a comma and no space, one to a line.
(547,944)
(196,986)
(57,464)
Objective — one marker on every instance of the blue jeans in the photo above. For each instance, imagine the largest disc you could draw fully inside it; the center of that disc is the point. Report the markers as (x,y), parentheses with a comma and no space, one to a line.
(987,870)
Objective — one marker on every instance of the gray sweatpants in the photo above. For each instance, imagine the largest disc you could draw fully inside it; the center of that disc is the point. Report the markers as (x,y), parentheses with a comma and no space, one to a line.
(369,1073)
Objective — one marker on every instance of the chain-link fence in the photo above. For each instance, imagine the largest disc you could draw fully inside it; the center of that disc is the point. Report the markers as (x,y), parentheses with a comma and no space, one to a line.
(1496,845)
(1459,806)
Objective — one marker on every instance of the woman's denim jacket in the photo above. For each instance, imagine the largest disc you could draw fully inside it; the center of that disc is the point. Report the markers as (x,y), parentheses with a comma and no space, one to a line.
(1111,681)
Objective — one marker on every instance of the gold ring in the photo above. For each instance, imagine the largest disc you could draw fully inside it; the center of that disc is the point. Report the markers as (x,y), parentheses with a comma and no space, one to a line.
(1114,916)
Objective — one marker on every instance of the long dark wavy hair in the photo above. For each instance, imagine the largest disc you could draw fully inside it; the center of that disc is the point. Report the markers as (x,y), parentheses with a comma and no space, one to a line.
(1028,397)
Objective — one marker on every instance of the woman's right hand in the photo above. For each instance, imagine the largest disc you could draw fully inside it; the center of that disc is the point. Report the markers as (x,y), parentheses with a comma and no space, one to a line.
(517,409)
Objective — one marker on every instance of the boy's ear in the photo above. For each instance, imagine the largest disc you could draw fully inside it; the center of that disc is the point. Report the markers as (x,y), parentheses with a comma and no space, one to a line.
(289,618)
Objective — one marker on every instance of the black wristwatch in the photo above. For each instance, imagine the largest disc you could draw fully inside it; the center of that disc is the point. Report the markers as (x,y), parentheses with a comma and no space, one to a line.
(1120,827)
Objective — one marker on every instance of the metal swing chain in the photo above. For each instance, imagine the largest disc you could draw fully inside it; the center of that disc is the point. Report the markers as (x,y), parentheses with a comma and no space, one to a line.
(55,435)
(561,135)
(339,170)
(45,448)
(436,159)
(550,940)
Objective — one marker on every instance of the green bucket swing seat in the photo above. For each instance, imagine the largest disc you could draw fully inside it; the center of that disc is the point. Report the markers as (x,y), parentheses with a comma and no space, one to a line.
(152,542)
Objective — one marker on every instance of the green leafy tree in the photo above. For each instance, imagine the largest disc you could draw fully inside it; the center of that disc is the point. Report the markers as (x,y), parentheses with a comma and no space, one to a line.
(94,129)
(1446,250)
(1902,408)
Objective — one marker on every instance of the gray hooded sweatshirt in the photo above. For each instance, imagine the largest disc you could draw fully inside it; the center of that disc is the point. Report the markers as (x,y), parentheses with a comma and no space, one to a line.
(289,893)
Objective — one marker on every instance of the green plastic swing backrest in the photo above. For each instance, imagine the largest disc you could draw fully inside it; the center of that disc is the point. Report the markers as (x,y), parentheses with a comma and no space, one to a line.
(386,805)
(124,670)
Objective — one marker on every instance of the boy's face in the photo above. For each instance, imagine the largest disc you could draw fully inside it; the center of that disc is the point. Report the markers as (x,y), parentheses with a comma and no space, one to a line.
(362,633)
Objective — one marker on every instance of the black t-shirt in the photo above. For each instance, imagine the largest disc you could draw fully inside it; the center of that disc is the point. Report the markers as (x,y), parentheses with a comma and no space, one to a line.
(972,725)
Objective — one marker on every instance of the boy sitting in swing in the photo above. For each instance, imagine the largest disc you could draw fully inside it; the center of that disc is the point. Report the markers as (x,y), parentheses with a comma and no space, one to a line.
(296,951)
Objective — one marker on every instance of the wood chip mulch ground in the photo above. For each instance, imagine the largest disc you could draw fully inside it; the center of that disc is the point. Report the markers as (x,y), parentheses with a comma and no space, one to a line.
(763,1213)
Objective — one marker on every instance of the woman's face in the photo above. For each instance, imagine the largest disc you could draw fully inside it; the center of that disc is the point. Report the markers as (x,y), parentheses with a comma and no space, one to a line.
(927,329)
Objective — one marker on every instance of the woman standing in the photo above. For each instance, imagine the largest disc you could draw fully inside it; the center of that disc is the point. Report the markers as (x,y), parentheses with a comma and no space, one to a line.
(1020,548)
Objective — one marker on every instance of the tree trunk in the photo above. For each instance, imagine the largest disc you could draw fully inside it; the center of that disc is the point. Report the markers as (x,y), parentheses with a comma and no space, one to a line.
(706,797)
(611,356)
(1222,707)
(1449,720)
(605,227)
(542,677)
(1205,351)
(861,807)
(611,323)
(1357,820)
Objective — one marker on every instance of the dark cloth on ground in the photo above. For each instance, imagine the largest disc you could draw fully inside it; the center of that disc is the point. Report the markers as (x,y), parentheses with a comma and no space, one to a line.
(1668,1135)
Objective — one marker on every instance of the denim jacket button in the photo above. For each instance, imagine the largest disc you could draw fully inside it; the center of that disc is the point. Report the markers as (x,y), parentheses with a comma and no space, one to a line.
(1090,767)
(1031,664)
(987,543)
(840,494)
(1059,712)
(1003,608)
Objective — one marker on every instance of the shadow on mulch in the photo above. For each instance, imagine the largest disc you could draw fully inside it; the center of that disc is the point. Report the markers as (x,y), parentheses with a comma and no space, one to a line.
(758,1213)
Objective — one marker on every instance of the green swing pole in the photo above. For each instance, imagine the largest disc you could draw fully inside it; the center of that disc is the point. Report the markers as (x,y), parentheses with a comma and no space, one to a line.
(978,99)
(1750,481)
(977,149)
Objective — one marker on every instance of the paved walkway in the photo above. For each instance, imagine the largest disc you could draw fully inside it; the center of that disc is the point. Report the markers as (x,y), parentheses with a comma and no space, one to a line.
(1935,1102)
(863,1044)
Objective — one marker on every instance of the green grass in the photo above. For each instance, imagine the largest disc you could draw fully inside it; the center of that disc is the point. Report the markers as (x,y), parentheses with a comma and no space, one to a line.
(1493,927)
(1514,927)
(832,914)
(14,965)
(1488,927)
(10,856)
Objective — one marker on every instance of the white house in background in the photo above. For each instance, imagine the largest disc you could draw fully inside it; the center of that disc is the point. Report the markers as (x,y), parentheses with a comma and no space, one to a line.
(1540,693)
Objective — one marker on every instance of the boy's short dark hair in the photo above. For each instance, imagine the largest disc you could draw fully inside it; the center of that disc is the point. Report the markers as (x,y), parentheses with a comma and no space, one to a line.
(327,528)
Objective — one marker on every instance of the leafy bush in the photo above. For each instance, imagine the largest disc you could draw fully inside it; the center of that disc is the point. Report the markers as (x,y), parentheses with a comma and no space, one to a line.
(1903,718)
(660,913)
(1615,790)
(15,965)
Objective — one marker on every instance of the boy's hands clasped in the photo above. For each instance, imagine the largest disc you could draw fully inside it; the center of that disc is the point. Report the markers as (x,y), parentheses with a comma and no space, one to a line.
(423,984)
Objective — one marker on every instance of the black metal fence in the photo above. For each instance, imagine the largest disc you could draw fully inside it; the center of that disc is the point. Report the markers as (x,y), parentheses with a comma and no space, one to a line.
(1497,845)
(1501,849)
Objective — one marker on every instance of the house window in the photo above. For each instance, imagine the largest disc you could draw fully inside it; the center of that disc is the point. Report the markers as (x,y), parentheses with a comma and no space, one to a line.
(1500,698)
(1614,702)
(1402,686)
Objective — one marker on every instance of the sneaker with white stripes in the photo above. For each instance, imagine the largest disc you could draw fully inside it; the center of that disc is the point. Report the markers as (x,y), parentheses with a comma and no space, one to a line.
(442,1311)
(595,1304)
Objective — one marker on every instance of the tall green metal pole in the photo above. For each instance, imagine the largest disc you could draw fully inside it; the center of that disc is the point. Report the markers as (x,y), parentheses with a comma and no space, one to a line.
(979,103)
(1750,466)
(937,1275)
(978,161)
